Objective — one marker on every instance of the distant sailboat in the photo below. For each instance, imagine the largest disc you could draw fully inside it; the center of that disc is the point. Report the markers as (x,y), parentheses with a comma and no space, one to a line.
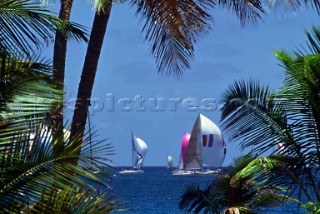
(139,150)
(206,147)
(279,147)
(169,161)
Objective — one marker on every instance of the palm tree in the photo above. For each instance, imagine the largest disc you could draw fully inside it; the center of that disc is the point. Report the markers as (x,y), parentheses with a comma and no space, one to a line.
(258,118)
(59,60)
(25,27)
(33,177)
(245,195)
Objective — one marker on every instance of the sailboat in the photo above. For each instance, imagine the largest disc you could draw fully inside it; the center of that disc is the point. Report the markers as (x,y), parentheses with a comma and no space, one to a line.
(139,150)
(169,161)
(206,147)
(183,152)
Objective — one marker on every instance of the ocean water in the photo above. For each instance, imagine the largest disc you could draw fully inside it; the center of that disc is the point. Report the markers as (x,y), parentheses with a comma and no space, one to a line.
(157,191)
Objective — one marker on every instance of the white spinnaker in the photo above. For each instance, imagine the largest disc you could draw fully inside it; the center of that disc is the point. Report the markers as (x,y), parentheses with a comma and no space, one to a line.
(212,143)
(206,145)
(142,150)
(139,150)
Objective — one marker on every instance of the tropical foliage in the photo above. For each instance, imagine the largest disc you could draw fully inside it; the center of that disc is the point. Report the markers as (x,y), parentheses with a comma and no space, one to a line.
(246,194)
(25,27)
(260,119)
(33,177)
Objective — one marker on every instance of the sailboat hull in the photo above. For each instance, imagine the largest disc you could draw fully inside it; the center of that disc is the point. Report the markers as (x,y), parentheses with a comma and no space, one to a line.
(131,171)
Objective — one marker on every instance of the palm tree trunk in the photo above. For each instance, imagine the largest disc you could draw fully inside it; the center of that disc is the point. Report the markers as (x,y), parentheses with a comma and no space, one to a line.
(59,60)
(88,73)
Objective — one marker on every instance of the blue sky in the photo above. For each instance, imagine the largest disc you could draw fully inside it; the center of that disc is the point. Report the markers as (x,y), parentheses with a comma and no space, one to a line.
(127,70)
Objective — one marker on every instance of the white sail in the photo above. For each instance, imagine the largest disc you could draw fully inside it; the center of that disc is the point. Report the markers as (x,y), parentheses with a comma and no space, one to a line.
(170,161)
(206,145)
(212,143)
(139,150)
(44,138)
(193,156)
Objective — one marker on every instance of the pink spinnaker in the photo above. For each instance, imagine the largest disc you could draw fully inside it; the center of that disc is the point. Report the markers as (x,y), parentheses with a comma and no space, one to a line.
(184,148)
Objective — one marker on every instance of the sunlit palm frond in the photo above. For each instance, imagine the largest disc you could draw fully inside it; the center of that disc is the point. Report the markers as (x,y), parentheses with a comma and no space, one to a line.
(24,26)
(31,169)
(31,173)
(172,28)
(285,173)
(15,68)
(240,189)
(73,200)
(301,91)
(31,103)
(101,5)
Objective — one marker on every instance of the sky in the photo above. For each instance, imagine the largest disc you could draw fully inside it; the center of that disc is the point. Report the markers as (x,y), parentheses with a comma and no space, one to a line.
(127,73)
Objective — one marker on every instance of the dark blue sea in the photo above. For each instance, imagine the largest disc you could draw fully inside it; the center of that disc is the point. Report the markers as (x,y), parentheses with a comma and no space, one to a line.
(158,191)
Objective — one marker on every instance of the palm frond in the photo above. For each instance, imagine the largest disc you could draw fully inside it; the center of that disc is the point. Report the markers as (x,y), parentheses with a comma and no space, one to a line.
(70,200)
(313,41)
(194,199)
(16,67)
(100,6)
(252,115)
(248,10)
(30,168)
(288,174)
(172,28)
(240,189)
(25,26)
(301,90)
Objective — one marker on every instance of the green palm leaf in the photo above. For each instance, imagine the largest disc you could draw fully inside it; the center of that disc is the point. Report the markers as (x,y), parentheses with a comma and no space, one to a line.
(74,200)
(238,190)
(33,177)
(172,29)
(24,26)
